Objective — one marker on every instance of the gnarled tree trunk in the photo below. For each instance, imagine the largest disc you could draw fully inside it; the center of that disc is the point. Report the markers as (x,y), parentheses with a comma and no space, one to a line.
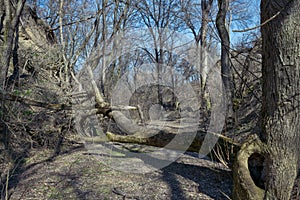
(280,112)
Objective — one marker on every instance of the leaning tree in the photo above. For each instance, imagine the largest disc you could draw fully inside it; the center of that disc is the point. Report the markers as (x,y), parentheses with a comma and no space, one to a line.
(278,142)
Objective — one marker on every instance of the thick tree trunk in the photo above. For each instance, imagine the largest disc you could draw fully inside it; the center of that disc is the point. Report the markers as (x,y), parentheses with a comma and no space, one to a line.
(281,99)
(280,108)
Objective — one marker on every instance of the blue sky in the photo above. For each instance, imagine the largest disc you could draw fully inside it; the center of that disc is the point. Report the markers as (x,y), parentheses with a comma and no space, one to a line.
(253,10)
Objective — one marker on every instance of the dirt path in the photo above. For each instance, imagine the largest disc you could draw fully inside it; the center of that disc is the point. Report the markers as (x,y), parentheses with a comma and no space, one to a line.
(79,174)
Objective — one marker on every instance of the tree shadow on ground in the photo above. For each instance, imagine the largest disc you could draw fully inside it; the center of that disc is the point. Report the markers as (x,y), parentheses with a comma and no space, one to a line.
(212,181)
(215,183)
(182,178)
(19,166)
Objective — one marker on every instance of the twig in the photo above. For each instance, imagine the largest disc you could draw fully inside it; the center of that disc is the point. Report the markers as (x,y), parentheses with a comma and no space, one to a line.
(79,21)
(260,25)
(6,185)
(71,23)
(225,195)
(123,194)
(118,192)
(27,101)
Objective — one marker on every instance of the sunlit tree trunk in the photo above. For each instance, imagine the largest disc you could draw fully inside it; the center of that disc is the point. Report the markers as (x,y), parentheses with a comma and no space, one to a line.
(281,99)
(280,138)
(205,8)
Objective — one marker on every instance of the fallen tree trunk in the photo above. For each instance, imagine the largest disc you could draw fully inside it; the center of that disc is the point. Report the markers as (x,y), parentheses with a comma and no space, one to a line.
(162,139)
(183,137)
(169,137)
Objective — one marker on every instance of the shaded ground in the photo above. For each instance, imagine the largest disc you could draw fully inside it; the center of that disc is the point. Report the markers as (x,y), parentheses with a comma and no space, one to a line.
(78,174)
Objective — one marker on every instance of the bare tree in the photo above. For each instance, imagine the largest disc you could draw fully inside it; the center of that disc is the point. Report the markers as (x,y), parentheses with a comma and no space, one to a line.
(199,29)
(158,16)
(222,27)
(117,24)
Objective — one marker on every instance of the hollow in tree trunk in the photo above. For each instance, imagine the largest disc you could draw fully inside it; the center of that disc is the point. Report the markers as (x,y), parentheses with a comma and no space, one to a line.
(279,138)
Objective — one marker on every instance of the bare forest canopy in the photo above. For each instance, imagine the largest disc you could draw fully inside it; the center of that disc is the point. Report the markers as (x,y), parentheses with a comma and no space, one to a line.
(181,75)
(118,58)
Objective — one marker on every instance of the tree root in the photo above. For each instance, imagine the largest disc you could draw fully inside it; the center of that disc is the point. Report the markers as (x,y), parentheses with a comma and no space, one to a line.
(244,185)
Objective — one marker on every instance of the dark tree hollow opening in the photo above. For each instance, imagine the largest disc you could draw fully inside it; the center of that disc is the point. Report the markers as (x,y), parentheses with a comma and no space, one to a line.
(256,169)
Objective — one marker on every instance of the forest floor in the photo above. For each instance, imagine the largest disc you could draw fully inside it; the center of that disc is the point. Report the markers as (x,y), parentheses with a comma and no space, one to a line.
(77,174)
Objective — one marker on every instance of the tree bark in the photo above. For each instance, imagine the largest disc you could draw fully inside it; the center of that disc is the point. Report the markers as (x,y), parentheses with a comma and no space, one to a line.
(280,104)
(163,138)
(2,15)
(205,7)
(225,55)
(281,99)
(10,24)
